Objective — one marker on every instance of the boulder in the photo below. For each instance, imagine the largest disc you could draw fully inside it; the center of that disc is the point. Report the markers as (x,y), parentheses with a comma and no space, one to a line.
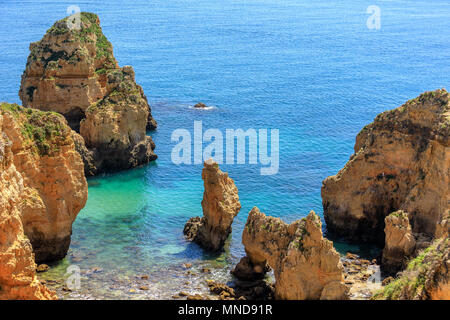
(248,271)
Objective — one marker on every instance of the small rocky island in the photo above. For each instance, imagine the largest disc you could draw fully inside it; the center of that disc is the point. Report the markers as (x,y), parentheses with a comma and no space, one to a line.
(74,72)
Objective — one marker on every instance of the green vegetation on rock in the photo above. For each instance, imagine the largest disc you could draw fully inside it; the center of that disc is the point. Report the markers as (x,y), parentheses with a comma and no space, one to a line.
(90,32)
(411,284)
(44,131)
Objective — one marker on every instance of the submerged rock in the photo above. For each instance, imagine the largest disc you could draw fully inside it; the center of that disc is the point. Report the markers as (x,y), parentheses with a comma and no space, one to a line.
(220,205)
(73,72)
(54,186)
(400,242)
(306,266)
(400,163)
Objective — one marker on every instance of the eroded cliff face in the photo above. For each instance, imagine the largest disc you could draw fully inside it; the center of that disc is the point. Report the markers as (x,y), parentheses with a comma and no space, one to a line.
(400,243)
(427,277)
(114,128)
(401,162)
(73,72)
(306,266)
(54,185)
(220,205)
(17,267)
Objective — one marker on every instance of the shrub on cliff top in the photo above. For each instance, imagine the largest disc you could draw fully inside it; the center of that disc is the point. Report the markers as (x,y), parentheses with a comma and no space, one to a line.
(44,131)
(90,26)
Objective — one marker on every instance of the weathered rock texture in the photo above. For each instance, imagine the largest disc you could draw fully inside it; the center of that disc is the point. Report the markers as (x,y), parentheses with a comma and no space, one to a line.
(55,188)
(220,205)
(306,266)
(399,243)
(401,162)
(73,72)
(426,277)
(114,128)
(17,267)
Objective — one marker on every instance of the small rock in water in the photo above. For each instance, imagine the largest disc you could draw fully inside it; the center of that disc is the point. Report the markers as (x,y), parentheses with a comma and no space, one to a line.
(200,105)
(144,277)
(206,270)
(143,288)
(42,268)
(187,265)
(183,294)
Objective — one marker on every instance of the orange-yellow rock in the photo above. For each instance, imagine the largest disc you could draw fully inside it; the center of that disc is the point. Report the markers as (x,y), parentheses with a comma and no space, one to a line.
(306,266)
(399,243)
(220,205)
(73,71)
(401,162)
(17,267)
(55,188)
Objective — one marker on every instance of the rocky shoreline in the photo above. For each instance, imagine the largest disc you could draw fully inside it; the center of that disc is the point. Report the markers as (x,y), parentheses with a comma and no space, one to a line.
(83,115)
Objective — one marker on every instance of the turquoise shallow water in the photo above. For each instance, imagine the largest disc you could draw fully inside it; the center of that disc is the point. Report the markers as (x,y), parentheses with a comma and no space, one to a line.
(313,70)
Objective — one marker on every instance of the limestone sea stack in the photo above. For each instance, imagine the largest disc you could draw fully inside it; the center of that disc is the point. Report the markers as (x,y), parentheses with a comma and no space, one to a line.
(401,162)
(51,172)
(306,266)
(220,205)
(73,71)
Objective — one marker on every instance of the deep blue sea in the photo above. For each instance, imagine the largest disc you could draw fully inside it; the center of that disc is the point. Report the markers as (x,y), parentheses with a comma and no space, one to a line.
(312,69)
